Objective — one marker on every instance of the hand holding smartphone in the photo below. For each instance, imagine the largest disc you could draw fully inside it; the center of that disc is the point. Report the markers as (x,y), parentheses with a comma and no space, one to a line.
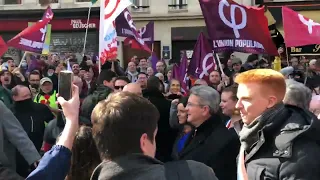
(65,84)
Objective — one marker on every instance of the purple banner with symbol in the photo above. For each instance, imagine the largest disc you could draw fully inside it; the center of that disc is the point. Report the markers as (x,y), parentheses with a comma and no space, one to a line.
(202,62)
(124,29)
(232,26)
(32,38)
(126,21)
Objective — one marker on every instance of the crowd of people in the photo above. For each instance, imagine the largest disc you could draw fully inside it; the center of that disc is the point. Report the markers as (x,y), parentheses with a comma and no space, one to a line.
(245,122)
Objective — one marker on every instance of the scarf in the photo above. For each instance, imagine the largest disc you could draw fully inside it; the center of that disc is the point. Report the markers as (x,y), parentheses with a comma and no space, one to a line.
(249,134)
(132,76)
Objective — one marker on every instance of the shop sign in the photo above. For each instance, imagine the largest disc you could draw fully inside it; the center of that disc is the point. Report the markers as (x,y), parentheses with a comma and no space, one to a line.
(309,49)
(79,24)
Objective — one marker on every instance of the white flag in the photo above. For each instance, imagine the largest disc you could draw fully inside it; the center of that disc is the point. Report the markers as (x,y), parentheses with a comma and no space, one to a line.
(109,10)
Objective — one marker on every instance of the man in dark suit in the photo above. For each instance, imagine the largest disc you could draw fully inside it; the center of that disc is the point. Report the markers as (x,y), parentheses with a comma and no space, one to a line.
(210,142)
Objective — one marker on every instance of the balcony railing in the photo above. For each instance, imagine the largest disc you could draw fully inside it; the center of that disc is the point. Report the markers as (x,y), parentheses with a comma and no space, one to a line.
(177,4)
(140,6)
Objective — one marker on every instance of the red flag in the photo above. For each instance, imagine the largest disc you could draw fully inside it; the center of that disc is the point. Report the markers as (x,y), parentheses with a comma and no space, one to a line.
(299,30)
(134,44)
(235,27)
(202,62)
(3,46)
(32,38)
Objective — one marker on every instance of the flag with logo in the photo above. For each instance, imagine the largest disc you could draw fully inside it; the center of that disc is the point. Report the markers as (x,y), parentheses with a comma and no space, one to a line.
(126,27)
(179,72)
(299,30)
(235,27)
(202,62)
(146,32)
(3,46)
(33,37)
(109,10)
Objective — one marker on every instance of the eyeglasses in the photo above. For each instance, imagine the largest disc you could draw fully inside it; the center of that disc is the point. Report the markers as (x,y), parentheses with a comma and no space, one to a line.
(193,105)
(118,87)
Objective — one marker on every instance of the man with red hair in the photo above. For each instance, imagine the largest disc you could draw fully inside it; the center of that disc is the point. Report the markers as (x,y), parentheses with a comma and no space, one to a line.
(277,141)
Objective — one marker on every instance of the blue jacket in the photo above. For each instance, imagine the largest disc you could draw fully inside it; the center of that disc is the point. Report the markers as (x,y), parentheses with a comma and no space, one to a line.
(54,165)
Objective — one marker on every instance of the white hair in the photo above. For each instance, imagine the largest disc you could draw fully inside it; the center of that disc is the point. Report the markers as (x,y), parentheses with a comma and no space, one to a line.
(208,97)
(297,94)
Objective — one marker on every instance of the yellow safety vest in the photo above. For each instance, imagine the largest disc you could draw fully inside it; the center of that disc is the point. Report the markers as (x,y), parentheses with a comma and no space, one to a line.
(52,99)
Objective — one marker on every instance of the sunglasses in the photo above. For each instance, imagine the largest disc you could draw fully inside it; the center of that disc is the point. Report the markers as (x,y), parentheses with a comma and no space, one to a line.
(118,87)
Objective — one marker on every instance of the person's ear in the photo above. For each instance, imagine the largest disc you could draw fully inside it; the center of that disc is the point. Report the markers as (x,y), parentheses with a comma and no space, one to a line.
(272,101)
(143,143)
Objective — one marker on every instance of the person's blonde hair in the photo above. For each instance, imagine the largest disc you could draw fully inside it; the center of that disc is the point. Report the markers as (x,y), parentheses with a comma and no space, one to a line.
(271,81)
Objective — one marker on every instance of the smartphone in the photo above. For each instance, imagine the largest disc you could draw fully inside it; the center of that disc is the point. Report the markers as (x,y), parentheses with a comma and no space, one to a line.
(65,84)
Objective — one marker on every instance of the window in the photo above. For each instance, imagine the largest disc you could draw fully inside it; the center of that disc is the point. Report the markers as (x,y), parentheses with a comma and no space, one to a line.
(177,4)
(12,2)
(48,1)
(140,5)
(83,0)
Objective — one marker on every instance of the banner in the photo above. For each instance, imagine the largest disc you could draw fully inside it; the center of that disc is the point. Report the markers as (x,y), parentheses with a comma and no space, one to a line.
(202,62)
(33,37)
(47,40)
(3,47)
(109,10)
(124,23)
(237,28)
(179,72)
(124,30)
(313,49)
(299,30)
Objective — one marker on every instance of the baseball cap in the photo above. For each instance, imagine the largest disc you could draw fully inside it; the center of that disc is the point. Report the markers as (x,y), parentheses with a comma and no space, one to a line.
(45,79)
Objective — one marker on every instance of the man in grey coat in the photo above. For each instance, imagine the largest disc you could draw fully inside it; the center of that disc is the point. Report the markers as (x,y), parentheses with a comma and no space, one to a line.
(12,137)
(124,130)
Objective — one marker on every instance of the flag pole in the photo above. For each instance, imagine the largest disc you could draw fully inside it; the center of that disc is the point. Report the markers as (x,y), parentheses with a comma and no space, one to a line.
(24,55)
(87,27)
(220,65)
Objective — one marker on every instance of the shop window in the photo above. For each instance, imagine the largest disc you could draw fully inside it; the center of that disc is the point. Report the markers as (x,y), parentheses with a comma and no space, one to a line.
(140,6)
(12,2)
(178,4)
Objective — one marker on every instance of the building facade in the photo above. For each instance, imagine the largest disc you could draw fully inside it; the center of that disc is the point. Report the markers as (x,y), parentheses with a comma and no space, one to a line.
(177,25)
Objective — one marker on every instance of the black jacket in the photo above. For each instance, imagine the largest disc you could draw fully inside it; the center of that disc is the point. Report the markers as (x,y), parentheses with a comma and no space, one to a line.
(140,167)
(288,148)
(166,135)
(214,145)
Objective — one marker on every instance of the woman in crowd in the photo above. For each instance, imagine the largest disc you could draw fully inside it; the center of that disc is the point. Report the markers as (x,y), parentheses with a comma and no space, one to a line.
(174,89)
(228,102)
(179,115)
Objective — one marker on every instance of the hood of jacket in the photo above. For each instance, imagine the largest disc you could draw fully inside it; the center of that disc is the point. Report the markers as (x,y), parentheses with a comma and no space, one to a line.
(298,123)
(130,167)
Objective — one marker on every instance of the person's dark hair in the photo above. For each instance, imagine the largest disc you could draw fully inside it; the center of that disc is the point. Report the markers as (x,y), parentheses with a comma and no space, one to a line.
(252,58)
(123,78)
(34,72)
(142,73)
(143,58)
(85,156)
(120,121)
(153,83)
(233,89)
(106,75)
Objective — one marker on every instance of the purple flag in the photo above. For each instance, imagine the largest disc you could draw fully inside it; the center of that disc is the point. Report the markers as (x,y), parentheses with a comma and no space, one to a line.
(202,62)
(179,72)
(125,20)
(154,60)
(32,38)
(232,26)
(33,64)
(124,30)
